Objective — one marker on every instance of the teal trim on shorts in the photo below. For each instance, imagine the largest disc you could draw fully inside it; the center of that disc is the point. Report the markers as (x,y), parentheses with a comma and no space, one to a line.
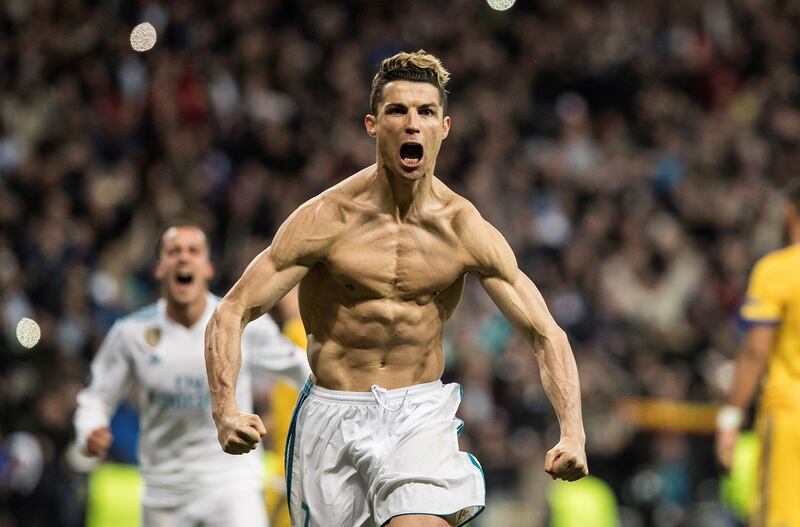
(460,428)
(288,454)
(481,508)
(475,462)
(304,506)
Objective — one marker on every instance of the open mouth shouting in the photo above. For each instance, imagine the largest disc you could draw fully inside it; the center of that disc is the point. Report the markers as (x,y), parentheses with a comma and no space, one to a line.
(411,155)
(184,278)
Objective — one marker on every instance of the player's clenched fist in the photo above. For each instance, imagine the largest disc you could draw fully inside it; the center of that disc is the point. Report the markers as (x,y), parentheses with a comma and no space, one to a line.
(567,461)
(98,442)
(240,433)
(725,445)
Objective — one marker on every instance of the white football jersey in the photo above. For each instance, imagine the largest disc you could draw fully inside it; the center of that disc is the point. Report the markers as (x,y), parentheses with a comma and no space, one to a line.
(179,454)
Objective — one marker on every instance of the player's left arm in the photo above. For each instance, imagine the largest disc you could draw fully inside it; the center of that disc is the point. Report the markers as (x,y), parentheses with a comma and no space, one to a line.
(522,304)
(763,313)
(750,367)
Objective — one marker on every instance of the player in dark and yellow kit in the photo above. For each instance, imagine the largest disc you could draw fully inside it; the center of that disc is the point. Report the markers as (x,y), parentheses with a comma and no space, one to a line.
(772,343)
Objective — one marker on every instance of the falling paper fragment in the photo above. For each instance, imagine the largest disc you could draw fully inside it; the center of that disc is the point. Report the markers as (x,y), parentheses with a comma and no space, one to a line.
(28,332)
(143,37)
(500,5)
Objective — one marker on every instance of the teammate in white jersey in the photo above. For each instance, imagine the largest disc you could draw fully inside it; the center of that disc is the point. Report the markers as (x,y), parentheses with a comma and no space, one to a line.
(188,480)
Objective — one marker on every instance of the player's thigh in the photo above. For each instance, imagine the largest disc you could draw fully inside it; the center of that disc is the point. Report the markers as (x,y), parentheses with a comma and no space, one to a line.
(243,507)
(158,517)
(418,520)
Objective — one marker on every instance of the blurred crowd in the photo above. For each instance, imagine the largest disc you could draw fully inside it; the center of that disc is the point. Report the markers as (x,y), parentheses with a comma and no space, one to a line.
(632,152)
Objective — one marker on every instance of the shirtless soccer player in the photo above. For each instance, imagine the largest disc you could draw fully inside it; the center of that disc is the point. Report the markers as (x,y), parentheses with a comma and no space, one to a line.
(188,481)
(381,260)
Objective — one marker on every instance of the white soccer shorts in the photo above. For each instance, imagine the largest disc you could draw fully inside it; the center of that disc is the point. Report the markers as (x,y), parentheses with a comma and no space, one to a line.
(225,508)
(358,459)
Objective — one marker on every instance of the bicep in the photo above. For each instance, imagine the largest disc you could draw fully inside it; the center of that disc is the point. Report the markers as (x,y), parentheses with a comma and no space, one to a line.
(265,281)
(511,290)
(759,339)
(521,303)
(298,245)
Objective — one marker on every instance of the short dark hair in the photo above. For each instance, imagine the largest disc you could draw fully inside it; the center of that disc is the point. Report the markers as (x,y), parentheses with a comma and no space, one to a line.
(177,224)
(419,66)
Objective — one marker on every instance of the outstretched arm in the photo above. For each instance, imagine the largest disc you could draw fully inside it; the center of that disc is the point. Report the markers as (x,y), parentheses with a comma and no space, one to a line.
(268,277)
(522,304)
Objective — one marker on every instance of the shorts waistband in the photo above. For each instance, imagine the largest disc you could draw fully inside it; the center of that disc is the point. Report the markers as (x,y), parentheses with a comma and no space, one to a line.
(396,394)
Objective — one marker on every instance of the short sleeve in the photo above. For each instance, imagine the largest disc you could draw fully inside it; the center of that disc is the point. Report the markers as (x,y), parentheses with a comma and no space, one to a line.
(763,303)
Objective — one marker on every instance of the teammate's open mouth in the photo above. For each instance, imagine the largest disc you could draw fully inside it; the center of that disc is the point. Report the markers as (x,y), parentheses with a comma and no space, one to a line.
(184,278)
(411,155)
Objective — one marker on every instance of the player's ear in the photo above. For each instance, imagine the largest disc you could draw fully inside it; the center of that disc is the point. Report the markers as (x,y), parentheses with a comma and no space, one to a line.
(446,129)
(370,124)
(791,212)
(210,271)
(158,270)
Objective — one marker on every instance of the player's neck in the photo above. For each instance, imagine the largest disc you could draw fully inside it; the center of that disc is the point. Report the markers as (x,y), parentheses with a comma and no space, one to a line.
(401,196)
(186,315)
(794,234)
(791,222)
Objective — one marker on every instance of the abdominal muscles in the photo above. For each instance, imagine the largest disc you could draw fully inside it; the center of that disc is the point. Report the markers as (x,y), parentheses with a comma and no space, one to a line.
(391,343)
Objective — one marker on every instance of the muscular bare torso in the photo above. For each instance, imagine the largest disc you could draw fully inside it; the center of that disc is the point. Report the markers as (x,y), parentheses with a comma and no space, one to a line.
(376,300)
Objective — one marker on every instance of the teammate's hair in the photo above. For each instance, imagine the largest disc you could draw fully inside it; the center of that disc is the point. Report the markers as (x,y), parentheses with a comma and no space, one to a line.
(419,66)
(792,191)
(176,224)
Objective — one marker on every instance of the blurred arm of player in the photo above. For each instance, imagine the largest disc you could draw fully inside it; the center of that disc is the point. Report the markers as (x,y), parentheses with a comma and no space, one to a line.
(521,302)
(750,366)
(270,350)
(271,275)
(111,378)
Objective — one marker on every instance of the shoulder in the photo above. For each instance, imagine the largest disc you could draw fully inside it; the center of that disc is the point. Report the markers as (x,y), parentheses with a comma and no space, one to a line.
(488,249)
(141,317)
(777,263)
(321,211)
(316,224)
(149,311)
(133,327)
(309,230)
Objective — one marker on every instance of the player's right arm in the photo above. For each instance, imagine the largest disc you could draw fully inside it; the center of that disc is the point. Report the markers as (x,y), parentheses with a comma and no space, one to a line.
(522,304)
(111,378)
(761,311)
(299,243)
